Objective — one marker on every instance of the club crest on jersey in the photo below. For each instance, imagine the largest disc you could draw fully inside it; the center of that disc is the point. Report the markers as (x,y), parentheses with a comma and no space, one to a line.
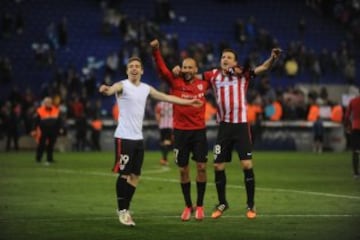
(200,87)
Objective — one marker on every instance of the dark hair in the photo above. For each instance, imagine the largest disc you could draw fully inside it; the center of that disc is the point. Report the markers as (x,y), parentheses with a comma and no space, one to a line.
(231,51)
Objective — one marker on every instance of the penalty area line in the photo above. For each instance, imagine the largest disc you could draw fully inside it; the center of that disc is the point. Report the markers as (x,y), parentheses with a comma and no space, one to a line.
(161,170)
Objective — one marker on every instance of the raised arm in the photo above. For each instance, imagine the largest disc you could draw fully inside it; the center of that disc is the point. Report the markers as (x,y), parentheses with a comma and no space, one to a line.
(159,61)
(110,90)
(173,99)
(275,53)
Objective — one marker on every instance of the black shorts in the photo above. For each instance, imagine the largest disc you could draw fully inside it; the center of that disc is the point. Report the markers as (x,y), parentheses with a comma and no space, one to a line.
(166,134)
(190,141)
(232,136)
(130,155)
(318,138)
(355,140)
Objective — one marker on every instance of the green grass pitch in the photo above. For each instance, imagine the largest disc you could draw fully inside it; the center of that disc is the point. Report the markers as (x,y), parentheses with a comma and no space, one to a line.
(298,196)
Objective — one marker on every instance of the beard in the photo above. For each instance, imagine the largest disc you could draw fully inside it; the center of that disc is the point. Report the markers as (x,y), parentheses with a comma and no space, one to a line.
(187,76)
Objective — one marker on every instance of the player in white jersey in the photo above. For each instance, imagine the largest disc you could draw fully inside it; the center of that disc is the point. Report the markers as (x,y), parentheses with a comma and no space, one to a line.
(230,83)
(131,95)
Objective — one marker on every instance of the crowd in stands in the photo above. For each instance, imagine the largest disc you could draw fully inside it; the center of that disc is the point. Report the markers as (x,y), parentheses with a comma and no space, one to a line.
(344,12)
(75,91)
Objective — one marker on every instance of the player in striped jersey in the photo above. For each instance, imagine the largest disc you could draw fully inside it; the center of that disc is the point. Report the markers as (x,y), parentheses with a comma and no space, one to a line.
(230,83)
(164,118)
(131,95)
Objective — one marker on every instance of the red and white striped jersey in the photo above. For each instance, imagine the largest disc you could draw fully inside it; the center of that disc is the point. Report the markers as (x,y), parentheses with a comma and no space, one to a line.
(164,113)
(230,92)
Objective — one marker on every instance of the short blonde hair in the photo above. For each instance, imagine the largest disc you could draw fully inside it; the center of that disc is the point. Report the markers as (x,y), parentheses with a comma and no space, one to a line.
(132,59)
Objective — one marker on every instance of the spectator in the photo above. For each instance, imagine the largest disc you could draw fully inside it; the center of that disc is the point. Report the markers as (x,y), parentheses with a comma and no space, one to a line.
(350,71)
(289,107)
(112,64)
(19,22)
(115,111)
(273,110)
(7,25)
(48,120)
(6,70)
(162,11)
(210,107)
(77,108)
(81,127)
(52,37)
(62,32)
(96,127)
(302,27)
(12,126)
(254,117)
(336,113)
(291,67)
(318,131)
(240,32)
(266,90)
(314,110)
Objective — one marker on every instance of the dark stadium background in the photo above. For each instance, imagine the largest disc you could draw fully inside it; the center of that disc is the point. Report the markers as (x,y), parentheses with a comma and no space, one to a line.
(96,29)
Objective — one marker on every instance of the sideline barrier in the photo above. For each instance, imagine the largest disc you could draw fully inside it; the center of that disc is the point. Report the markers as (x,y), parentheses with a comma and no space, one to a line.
(297,135)
(279,136)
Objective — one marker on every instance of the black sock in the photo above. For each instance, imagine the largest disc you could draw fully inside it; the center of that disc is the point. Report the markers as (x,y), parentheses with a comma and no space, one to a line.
(121,188)
(164,151)
(130,190)
(200,186)
(355,162)
(249,180)
(185,187)
(220,182)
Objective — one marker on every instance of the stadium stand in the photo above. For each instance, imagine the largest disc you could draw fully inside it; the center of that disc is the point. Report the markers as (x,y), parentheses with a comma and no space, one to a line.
(209,21)
(323,45)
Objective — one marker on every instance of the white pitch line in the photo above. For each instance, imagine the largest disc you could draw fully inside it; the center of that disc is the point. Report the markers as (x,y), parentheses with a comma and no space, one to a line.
(161,170)
(268,189)
(259,216)
(270,216)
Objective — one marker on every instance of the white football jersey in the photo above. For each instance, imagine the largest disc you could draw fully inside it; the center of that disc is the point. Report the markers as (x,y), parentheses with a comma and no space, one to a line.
(131,102)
